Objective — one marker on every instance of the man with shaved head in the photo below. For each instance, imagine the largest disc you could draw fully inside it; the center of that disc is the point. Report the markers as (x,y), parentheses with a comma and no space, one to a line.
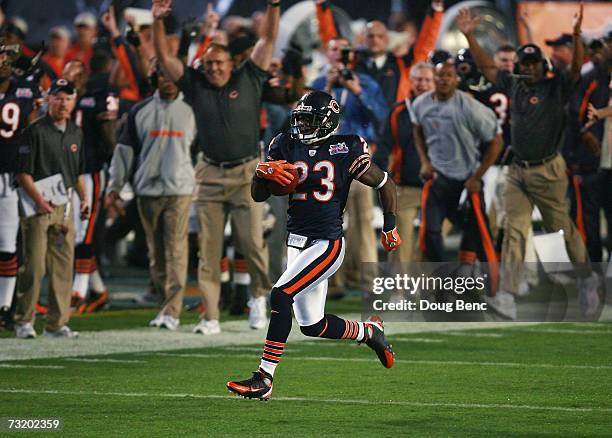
(449,127)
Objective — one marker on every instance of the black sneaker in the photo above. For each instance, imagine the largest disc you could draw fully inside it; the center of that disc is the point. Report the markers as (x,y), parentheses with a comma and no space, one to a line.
(259,386)
(375,339)
(6,319)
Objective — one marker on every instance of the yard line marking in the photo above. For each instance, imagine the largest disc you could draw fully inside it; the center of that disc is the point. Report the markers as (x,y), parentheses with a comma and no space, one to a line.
(565,331)
(422,340)
(50,367)
(414,362)
(314,400)
(79,359)
(474,335)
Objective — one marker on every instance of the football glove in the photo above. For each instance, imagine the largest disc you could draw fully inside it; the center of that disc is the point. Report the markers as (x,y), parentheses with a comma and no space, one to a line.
(390,240)
(275,171)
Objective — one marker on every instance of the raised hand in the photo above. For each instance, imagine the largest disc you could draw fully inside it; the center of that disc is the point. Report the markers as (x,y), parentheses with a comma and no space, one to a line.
(466,22)
(212,21)
(161,8)
(109,21)
(578,20)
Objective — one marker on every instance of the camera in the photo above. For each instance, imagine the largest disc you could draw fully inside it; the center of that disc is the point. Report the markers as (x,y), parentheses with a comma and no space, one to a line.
(345,58)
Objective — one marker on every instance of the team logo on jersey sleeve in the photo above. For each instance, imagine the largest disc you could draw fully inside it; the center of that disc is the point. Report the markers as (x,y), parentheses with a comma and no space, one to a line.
(340,148)
(312,152)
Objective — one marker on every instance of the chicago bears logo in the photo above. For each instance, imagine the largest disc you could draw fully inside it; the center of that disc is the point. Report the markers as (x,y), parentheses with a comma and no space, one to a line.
(334,106)
(340,148)
(74,147)
(534,100)
(234,94)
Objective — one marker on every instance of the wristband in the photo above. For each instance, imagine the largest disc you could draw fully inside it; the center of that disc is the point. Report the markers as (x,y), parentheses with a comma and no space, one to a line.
(389,221)
(383,182)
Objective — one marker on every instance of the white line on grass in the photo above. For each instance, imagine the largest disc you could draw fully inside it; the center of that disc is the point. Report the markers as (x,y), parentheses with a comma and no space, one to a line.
(418,340)
(79,359)
(314,400)
(50,367)
(288,356)
(565,331)
(473,335)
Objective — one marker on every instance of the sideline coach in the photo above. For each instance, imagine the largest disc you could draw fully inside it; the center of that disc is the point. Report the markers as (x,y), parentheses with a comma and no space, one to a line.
(54,146)
(226,103)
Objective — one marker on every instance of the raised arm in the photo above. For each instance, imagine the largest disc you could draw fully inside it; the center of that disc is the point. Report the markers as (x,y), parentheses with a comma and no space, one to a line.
(578,50)
(264,48)
(172,67)
(467,25)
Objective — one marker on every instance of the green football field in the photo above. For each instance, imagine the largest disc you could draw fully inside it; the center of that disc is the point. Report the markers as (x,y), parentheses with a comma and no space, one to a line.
(449,380)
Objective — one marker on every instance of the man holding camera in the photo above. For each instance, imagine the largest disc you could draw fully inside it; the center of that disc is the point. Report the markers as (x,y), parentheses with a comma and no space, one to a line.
(363,109)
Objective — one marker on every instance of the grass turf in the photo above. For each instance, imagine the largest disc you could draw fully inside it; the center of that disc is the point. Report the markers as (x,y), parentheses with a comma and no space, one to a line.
(519,381)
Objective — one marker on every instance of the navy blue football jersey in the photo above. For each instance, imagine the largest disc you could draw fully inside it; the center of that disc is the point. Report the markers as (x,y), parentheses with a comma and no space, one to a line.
(99,97)
(492,97)
(16,105)
(326,172)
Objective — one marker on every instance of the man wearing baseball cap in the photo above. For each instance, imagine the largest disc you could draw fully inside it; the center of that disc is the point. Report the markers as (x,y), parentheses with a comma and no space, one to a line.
(52,147)
(537,175)
(85,26)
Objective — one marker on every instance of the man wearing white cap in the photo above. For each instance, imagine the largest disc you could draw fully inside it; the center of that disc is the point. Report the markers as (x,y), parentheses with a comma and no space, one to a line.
(85,31)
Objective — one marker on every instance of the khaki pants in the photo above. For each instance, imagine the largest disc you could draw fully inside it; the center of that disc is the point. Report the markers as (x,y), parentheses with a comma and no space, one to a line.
(546,187)
(46,250)
(408,203)
(165,222)
(360,240)
(219,192)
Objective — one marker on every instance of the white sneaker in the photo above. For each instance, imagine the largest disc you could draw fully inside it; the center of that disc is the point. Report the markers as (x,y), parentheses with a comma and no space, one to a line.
(257,313)
(588,295)
(25,331)
(62,332)
(503,303)
(157,321)
(206,327)
(170,322)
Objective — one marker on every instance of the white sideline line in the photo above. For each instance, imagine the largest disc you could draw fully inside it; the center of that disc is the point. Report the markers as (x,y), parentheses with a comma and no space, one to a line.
(565,331)
(315,400)
(79,359)
(474,335)
(50,367)
(414,362)
(420,340)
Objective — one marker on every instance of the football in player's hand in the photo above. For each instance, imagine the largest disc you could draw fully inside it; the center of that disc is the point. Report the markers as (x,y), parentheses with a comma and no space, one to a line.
(278,190)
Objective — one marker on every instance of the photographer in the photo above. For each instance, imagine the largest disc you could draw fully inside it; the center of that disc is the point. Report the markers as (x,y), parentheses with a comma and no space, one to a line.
(363,107)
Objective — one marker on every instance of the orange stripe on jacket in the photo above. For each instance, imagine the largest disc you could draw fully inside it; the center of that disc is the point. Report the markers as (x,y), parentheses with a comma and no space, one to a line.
(164,133)
(579,212)
(327,27)
(317,269)
(485,237)
(585,100)
(425,43)
(396,151)
(424,197)
(206,42)
(94,209)
(132,92)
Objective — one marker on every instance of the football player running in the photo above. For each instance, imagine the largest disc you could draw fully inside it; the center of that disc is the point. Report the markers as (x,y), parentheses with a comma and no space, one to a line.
(327,164)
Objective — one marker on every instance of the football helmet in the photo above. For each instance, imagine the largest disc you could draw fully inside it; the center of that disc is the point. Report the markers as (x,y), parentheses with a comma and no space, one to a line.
(315,117)
(471,77)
